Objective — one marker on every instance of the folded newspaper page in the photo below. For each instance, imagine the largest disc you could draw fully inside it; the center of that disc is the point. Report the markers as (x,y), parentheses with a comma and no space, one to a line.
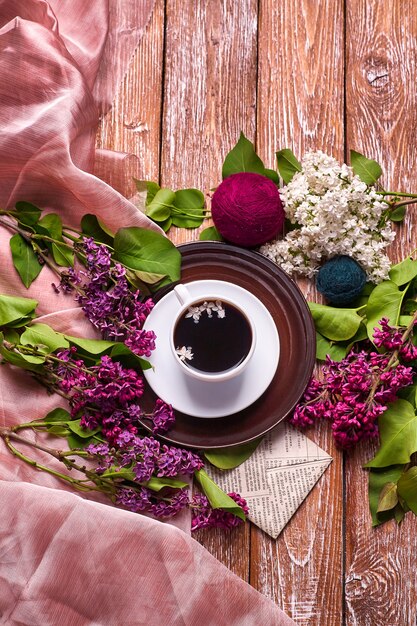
(276,478)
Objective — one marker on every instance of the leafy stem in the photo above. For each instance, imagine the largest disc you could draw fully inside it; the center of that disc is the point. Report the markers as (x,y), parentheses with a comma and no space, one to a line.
(7,435)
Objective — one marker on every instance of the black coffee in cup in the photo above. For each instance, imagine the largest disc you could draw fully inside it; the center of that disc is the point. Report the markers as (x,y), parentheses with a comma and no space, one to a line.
(212,336)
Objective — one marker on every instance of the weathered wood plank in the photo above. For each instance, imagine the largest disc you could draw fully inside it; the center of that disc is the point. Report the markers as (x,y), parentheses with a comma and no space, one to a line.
(133,124)
(381,581)
(209,97)
(210,89)
(300,106)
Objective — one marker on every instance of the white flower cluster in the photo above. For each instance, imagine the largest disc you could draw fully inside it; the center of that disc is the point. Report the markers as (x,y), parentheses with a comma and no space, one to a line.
(334,212)
(196,311)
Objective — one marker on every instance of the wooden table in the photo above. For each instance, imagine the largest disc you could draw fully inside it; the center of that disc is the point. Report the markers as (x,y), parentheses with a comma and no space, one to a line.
(320,74)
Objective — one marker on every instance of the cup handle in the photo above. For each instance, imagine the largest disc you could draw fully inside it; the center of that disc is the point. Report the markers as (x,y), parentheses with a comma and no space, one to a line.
(182,293)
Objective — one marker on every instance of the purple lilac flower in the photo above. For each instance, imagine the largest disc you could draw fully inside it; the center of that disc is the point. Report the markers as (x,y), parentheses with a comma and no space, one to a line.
(391,338)
(110,305)
(134,499)
(101,453)
(163,417)
(72,372)
(170,507)
(204,516)
(104,295)
(144,499)
(352,395)
(173,461)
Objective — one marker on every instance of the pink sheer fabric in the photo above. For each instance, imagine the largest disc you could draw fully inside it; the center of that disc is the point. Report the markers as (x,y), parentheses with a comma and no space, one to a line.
(67,559)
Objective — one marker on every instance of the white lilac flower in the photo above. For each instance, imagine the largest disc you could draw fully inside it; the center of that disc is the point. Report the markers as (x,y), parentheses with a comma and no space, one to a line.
(184,353)
(196,311)
(334,213)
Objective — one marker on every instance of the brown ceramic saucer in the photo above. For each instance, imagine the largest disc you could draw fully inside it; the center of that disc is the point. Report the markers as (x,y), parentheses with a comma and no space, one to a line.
(281,296)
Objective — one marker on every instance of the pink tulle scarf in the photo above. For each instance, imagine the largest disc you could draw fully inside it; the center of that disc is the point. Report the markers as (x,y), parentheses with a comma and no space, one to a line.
(66,559)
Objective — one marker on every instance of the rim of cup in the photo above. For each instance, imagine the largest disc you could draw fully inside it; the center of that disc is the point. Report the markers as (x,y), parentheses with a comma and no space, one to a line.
(212,376)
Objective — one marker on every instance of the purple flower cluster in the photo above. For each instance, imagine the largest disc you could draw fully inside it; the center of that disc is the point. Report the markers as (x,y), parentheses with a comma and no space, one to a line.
(106,396)
(145,457)
(107,301)
(163,417)
(144,499)
(391,338)
(352,395)
(204,516)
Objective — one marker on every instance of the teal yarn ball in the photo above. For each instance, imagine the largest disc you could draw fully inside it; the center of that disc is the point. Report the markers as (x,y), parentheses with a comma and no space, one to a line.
(341,280)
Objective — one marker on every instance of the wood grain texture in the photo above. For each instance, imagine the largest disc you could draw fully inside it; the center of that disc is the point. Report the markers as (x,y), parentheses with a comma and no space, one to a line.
(300,83)
(133,125)
(300,106)
(210,89)
(381,581)
(381,97)
(209,97)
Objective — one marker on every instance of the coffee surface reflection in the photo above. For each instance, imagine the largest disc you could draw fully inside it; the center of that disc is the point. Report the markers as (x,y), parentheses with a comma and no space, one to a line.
(212,336)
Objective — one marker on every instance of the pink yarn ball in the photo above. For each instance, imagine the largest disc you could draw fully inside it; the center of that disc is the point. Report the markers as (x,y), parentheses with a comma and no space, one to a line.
(247,209)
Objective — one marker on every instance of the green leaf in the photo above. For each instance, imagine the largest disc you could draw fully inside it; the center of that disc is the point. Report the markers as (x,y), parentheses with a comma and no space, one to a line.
(146,277)
(188,209)
(121,353)
(334,323)
(58,430)
(95,228)
(242,158)
(273,175)
(116,349)
(119,472)
(288,165)
(216,496)
(410,394)
(388,498)
(17,359)
(324,347)
(385,301)
(398,433)
(407,488)
(52,223)
(228,458)
(403,272)
(156,484)
(63,256)
(368,170)
(409,306)
(210,234)
(11,335)
(399,513)
(44,335)
(57,416)
(398,214)
(166,224)
(13,308)
(160,208)
(187,222)
(77,429)
(91,346)
(23,321)
(25,260)
(28,213)
(143,249)
(32,358)
(377,480)
(75,442)
(404,320)
(149,186)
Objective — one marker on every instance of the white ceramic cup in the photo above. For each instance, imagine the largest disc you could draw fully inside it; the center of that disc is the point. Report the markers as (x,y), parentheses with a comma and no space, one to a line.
(186,301)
